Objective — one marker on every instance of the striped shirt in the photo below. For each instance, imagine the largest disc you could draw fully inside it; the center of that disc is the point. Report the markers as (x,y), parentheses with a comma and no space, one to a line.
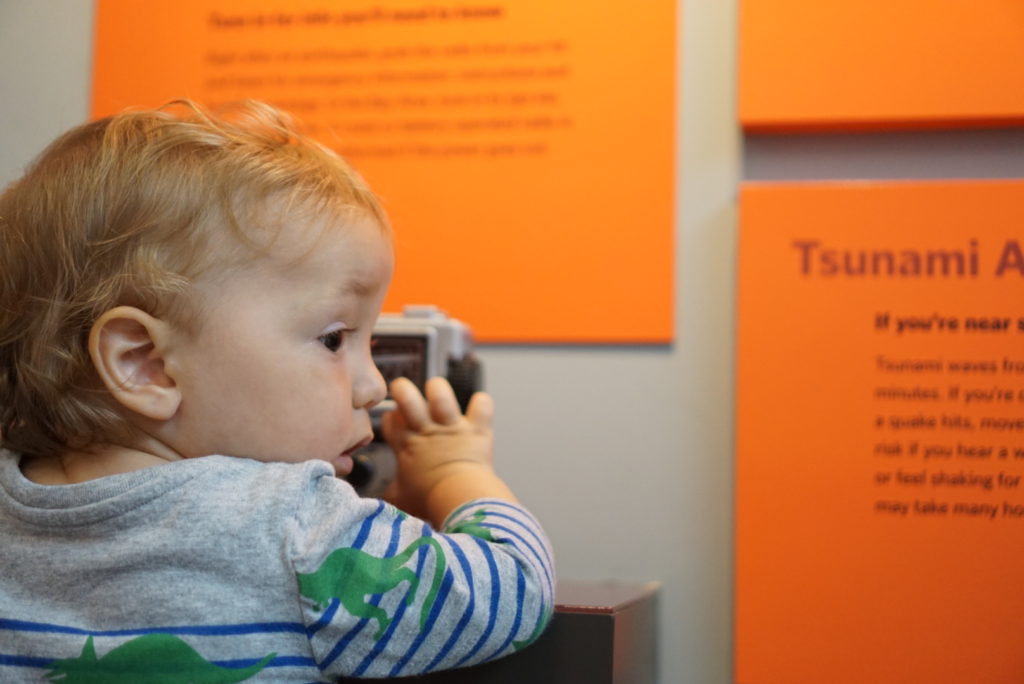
(228,569)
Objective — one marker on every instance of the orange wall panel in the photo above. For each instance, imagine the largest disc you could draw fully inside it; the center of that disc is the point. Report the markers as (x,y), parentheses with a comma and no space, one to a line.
(807,64)
(880,434)
(524,150)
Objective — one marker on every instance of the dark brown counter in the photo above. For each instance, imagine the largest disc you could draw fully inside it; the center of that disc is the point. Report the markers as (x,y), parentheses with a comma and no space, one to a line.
(601,633)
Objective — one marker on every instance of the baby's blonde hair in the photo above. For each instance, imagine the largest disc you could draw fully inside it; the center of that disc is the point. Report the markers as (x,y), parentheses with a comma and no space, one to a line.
(130,210)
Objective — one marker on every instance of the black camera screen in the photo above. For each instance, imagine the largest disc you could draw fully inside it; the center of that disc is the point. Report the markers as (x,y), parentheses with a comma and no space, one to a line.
(401,356)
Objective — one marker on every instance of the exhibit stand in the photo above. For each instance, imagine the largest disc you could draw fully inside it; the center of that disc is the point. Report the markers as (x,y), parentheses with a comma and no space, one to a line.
(601,633)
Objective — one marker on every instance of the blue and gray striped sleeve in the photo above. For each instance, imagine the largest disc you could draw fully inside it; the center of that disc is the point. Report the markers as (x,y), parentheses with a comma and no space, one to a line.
(384,595)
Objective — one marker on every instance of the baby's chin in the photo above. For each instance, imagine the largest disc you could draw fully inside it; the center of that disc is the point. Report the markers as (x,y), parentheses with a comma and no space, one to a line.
(343,465)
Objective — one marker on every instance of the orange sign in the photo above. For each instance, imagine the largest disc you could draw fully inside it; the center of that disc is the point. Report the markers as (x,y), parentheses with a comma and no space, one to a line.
(524,149)
(808,64)
(880,434)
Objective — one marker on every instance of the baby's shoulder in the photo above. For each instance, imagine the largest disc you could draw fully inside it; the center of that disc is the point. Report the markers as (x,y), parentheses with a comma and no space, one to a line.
(232,488)
(240,466)
(235,472)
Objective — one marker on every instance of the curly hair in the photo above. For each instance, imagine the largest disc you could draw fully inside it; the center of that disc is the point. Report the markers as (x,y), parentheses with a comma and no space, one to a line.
(130,210)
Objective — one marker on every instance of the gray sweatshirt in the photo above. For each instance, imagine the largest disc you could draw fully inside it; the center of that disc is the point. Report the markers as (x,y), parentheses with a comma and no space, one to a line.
(222,569)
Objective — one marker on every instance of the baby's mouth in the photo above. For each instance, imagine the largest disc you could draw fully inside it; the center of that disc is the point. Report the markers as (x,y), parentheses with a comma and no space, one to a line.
(345,462)
(365,441)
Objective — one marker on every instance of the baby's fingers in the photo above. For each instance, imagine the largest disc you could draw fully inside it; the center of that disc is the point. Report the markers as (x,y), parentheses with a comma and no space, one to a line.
(480,411)
(444,407)
(411,404)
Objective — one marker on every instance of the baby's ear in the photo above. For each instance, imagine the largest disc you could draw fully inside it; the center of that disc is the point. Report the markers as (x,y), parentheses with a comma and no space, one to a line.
(127,347)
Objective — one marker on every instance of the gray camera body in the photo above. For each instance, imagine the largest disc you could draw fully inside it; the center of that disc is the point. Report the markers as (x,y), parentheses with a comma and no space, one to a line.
(420,343)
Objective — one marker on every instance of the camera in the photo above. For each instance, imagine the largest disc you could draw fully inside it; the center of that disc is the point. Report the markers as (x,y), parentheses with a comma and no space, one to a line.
(419,343)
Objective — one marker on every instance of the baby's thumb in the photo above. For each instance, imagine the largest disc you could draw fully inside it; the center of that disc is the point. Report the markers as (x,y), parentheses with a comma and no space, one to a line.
(393,427)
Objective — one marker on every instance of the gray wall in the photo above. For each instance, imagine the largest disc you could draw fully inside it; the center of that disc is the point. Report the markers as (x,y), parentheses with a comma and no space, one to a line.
(625,453)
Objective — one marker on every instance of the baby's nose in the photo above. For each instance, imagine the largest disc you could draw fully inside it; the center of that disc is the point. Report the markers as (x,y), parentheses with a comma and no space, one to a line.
(371,389)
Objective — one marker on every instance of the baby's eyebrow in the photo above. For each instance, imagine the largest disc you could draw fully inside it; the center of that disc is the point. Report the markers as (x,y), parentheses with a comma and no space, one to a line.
(354,285)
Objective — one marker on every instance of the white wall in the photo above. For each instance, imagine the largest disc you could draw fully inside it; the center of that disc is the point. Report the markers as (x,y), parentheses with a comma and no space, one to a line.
(625,453)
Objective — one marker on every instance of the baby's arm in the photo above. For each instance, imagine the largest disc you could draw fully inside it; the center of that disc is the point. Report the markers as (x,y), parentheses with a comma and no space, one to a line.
(444,457)
(387,594)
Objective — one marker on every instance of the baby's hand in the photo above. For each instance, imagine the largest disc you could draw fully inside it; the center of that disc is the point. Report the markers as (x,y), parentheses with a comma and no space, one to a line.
(444,457)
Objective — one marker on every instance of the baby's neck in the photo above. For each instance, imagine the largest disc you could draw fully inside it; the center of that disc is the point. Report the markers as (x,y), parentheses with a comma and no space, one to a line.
(73,467)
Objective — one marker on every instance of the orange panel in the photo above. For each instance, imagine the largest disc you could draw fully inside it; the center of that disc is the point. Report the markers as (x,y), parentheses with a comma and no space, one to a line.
(809,64)
(880,434)
(524,149)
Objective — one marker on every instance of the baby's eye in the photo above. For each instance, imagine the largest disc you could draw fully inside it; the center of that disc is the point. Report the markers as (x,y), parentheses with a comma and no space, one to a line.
(332,340)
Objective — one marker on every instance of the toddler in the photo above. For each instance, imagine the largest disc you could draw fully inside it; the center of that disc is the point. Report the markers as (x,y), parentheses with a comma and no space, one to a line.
(186,310)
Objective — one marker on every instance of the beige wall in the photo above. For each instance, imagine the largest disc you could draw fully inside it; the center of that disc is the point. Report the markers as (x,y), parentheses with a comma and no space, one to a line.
(625,453)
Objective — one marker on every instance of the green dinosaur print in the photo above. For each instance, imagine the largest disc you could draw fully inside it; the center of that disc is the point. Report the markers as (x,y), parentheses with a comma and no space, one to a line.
(149,659)
(351,575)
(472,526)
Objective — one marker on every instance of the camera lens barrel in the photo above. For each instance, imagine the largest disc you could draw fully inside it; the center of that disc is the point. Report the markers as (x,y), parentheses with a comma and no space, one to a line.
(466,377)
